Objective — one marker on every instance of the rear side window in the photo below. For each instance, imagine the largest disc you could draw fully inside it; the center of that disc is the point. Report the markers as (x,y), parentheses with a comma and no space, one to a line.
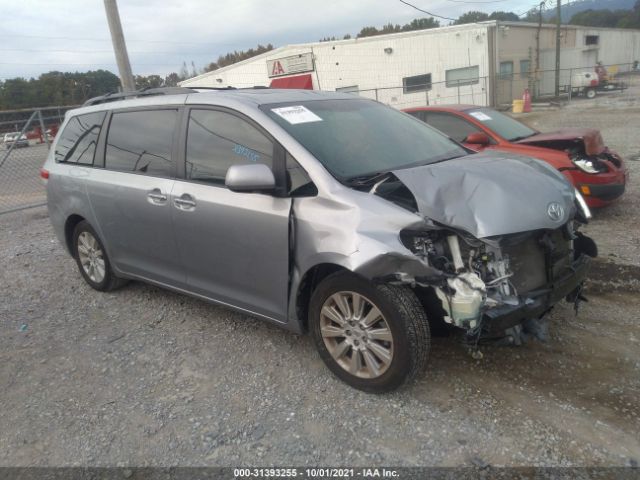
(78,140)
(217,140)
(141,142)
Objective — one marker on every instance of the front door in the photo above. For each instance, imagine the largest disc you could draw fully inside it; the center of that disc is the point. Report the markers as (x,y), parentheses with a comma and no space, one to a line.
(234,246)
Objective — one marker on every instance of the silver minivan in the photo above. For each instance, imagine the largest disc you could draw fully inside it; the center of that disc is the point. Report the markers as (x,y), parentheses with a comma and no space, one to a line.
(319,212)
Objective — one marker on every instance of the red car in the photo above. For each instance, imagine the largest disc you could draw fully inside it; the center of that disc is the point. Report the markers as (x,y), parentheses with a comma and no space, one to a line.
(579,153)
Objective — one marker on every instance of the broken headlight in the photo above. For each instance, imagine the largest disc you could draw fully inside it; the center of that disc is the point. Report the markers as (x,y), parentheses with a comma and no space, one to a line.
(588,166)
(427,244)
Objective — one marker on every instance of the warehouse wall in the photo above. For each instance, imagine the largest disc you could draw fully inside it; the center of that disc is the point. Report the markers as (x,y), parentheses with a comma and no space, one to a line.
(365,64)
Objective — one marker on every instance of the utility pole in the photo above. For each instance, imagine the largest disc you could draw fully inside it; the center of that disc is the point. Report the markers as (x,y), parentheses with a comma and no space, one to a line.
(557,48)
(536,76)
(119,46)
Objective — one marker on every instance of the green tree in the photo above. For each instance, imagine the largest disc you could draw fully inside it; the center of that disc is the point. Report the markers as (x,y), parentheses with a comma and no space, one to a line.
(472,16)
(598,18)
(421,24)
(504,16)
(152,81)
(56,88)
(171,80)
(235,57)
(368,32)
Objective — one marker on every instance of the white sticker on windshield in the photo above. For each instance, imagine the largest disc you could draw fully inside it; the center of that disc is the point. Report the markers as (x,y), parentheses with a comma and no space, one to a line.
(483,117)
(296,114)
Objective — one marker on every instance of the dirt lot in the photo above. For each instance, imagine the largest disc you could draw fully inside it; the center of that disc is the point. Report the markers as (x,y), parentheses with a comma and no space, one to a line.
(141,376)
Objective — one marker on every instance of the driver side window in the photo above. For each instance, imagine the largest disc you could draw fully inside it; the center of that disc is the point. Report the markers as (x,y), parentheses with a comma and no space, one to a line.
(450,125)
(217,140)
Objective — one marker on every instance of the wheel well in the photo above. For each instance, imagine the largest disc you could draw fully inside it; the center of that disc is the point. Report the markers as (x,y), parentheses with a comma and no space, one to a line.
(69,227)
(308,284)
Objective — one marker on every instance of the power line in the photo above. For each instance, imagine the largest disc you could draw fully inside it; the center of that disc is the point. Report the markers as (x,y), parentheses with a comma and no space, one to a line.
(108,40)
(97,51)
(428,13)
(479,1)
(532,7)
(99,63)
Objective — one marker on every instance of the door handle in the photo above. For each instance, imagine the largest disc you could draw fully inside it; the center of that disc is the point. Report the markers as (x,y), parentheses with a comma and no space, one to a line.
(185,202)
(155,196)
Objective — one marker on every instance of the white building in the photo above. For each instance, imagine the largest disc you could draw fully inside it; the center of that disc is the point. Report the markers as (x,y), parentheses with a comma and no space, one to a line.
(482,63)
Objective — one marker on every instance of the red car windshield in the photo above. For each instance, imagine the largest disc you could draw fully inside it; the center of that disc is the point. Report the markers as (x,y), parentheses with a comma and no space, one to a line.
(505,126)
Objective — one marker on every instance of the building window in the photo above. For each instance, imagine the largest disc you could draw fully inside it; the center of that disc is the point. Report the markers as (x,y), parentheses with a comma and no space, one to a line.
(417,83)
(506,70)
(525,67)
(591,39)
(457,77)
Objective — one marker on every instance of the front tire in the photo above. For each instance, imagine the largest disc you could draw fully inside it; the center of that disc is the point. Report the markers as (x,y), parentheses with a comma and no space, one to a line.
(372,337)
(591,93)
(92,259)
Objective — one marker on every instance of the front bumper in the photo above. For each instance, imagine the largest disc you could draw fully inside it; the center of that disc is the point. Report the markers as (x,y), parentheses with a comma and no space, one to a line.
(535,303)
(602,188)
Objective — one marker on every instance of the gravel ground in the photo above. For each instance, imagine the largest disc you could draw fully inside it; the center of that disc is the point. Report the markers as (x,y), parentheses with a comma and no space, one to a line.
(142,376)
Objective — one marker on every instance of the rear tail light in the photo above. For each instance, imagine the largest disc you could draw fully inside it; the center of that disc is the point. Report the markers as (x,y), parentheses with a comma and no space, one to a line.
(44,173)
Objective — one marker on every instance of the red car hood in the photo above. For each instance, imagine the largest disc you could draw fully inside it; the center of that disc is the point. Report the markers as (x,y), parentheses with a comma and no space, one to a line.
(588,139)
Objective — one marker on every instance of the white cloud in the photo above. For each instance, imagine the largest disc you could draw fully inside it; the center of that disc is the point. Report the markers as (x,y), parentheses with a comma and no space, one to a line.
(161,35)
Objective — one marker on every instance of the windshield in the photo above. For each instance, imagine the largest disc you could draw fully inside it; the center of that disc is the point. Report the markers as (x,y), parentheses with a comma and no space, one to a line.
(505,126)
(357,137)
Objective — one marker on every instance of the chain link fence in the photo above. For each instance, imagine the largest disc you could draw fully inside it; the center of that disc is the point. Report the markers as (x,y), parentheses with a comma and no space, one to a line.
(22,153)
(500,90)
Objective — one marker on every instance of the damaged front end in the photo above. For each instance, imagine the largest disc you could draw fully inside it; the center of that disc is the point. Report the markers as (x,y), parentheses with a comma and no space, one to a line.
(491,285)
(497,253)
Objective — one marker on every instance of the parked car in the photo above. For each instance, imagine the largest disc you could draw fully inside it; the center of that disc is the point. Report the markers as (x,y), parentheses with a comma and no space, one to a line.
(579,153)
(320,212)
(15,137)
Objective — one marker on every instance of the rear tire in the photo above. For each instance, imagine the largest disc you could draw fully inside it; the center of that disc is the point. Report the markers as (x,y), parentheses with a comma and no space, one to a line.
(590,93)
(372,337)
(92,259)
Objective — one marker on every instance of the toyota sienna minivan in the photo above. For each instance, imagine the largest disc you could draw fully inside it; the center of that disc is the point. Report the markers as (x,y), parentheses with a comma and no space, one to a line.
(320,212)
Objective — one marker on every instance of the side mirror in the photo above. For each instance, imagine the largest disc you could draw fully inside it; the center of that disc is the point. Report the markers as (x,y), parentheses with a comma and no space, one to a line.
(477,138)
(250,178)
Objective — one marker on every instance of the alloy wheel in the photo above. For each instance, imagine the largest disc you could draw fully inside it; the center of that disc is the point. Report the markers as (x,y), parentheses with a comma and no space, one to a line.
(91,257)
(356,334)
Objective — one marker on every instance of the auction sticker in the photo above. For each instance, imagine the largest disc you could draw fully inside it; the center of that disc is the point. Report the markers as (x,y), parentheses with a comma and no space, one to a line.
(483,117)
(296,114)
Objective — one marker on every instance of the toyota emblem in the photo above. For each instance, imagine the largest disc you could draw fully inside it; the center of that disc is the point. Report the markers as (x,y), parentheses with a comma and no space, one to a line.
(555,211)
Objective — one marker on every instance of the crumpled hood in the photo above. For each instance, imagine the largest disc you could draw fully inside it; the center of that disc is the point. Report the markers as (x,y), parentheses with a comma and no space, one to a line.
(588,138)
(490,193)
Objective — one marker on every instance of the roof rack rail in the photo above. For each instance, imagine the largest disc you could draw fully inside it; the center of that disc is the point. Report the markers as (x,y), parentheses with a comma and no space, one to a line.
(255,87)
(145,92)
(215,88)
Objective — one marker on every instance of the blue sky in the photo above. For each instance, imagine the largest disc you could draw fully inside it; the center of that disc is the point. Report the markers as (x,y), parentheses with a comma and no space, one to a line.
(37,36)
